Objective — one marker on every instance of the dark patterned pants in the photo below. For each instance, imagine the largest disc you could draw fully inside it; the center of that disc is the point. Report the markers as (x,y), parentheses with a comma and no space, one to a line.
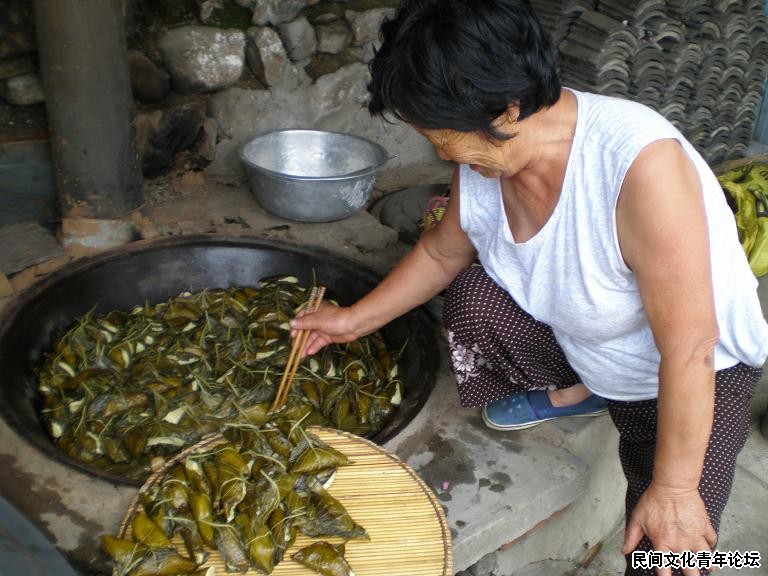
(497,349)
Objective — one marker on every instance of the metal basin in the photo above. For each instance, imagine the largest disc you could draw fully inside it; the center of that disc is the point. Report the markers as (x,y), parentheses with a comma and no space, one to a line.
(154,271)
(312,175)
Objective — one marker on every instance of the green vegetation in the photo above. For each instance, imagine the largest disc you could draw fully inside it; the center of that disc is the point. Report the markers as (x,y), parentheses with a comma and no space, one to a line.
(361,5)
(169,12)
(178,12)
(327,63)
(231,15)
(338,8)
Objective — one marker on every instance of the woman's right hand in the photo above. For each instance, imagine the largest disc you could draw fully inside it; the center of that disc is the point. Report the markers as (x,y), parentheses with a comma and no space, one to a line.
(439,255)
(329,324)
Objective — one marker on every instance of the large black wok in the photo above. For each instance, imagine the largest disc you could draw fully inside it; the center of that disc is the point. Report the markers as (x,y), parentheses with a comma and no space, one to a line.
(154,271)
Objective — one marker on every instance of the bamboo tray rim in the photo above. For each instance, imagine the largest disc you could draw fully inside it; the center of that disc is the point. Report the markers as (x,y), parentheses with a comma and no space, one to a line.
(330,436)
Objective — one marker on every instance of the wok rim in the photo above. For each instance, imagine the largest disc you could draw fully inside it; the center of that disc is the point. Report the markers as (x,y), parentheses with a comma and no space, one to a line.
(20,301)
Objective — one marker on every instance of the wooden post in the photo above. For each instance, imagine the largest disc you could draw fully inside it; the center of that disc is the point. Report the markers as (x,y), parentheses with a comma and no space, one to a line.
(84,69)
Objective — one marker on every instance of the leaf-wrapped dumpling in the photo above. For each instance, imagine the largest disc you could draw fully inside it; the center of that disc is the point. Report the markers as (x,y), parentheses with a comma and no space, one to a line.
(324,558)
(312,455)
(326,516)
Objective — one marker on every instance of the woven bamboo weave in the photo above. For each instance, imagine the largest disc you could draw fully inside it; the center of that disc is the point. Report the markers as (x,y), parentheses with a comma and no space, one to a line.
(407,526)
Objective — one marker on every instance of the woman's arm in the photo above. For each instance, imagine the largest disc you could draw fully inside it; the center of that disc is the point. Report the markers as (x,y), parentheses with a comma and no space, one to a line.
(663,236)
(430,266)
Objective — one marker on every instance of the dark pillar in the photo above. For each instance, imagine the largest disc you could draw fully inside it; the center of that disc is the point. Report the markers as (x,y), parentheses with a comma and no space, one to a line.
(83,61)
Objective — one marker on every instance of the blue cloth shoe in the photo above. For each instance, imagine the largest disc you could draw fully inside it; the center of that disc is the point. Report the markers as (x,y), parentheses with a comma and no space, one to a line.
(526,409)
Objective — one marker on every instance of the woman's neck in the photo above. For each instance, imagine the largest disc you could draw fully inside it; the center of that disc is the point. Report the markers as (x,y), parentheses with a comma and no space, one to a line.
(545,141)
(531,193)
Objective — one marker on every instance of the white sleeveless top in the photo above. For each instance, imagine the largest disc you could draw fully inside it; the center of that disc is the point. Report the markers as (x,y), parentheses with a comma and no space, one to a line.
(571,275)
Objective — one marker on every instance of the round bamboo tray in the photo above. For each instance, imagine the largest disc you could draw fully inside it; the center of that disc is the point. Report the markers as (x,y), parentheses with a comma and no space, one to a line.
(409,535)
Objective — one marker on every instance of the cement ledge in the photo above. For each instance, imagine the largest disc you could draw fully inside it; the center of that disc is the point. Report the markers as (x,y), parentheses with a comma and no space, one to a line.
(494,486)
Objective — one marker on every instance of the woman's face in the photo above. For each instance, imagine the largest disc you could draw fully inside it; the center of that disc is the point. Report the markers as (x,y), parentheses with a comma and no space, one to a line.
(485,156)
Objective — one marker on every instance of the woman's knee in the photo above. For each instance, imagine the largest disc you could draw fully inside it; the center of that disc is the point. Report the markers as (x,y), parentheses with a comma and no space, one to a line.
(471,297)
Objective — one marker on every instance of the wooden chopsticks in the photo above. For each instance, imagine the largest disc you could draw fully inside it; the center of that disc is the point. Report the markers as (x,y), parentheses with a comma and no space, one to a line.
(297,349)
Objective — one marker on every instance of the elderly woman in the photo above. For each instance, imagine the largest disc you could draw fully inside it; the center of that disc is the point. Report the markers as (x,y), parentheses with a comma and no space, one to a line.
(611,273)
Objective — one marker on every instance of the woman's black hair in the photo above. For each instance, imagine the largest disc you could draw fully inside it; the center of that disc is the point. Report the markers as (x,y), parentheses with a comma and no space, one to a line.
(460,64)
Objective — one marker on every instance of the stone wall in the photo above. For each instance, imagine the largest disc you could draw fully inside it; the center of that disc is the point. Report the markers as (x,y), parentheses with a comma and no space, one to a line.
(208,74)
(21,95)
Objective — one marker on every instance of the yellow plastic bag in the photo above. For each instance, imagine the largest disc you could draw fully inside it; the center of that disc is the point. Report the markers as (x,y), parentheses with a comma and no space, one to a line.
(748,187)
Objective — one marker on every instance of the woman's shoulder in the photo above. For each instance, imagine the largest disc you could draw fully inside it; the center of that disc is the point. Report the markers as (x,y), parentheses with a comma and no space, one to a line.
(599,104)
(476,183)
(480,200)
(620,126)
